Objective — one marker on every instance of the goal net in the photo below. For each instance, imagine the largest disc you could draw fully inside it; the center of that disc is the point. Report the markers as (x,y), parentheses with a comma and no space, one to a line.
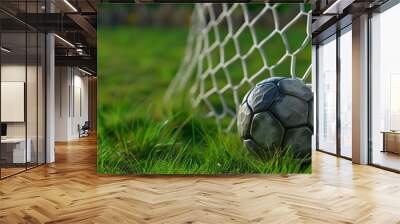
(231,47)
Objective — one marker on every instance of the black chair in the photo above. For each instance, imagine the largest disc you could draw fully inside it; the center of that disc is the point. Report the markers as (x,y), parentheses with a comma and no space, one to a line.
(84,130)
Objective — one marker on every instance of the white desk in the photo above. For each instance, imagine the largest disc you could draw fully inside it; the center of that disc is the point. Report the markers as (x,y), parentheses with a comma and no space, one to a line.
(18,149)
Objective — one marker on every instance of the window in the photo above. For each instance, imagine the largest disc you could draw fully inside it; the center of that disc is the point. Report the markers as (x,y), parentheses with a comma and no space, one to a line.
(327,95)
(385,89)
(346,92)
(22,78)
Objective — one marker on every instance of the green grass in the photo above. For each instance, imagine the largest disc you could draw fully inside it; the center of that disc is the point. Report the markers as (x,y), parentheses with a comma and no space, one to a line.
(138,133)
(180,143)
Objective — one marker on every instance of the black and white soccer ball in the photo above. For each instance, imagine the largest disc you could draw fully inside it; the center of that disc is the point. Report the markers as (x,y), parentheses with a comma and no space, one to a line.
(277,114)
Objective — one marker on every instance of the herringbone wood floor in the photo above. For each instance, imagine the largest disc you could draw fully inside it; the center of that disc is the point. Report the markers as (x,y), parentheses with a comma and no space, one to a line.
(70,191)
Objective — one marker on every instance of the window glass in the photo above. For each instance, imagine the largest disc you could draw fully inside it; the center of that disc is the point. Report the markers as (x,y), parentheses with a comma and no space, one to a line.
(346,93)
(22,91)
(15,150)
(385,88)
(327,96)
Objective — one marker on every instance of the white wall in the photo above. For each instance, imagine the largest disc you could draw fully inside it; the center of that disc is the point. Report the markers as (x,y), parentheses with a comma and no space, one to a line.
(12,73)
(13,100)
(62,82)
(80,108)
(71,93)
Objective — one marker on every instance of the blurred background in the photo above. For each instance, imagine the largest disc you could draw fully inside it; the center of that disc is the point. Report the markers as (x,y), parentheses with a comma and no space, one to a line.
(147,42)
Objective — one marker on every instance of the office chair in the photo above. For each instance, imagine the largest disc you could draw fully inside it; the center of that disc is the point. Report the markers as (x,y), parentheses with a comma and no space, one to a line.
(84,130)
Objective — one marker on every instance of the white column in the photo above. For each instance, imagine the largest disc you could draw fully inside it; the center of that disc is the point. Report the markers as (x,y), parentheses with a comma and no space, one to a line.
(360,90)
(50,93)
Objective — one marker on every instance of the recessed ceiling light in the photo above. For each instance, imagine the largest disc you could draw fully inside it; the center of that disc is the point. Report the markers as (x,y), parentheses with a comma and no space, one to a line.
(70,5)
(84,71)
(337,7)
(5,50)
(64,40)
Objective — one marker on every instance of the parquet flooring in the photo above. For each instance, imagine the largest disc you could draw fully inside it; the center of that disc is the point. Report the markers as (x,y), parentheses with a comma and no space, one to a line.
(70,191)
(10,171)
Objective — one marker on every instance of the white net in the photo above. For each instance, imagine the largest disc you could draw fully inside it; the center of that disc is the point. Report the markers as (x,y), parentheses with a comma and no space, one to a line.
(231,47)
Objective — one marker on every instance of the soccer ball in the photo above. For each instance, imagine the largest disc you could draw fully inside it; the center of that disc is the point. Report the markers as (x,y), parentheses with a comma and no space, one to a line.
(277,114)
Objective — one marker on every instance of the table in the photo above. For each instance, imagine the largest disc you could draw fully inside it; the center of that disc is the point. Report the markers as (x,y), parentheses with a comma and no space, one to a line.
(391,141)
(13,150)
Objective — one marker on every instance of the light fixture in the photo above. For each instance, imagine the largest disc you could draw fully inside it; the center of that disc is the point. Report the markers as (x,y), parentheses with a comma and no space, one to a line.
(84,71)
(80,51)
(5,50)
(70,5)
(65,41)
(337,7)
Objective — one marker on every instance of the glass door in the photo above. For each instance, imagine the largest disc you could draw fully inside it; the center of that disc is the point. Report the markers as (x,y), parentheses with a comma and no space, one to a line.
(326,87)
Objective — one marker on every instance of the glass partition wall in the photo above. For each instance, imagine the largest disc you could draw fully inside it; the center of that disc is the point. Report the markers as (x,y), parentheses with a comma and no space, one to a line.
(22,96)
(334,94)
(326,59)
(385,89)
(345,89)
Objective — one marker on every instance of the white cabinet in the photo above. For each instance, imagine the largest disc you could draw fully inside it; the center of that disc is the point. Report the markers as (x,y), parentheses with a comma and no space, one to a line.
(19,155)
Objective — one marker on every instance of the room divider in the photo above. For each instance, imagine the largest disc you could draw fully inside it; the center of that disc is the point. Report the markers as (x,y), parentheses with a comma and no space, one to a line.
(22,77)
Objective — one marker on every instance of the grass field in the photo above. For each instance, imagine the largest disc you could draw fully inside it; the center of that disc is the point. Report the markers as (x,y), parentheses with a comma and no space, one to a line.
(140,134)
